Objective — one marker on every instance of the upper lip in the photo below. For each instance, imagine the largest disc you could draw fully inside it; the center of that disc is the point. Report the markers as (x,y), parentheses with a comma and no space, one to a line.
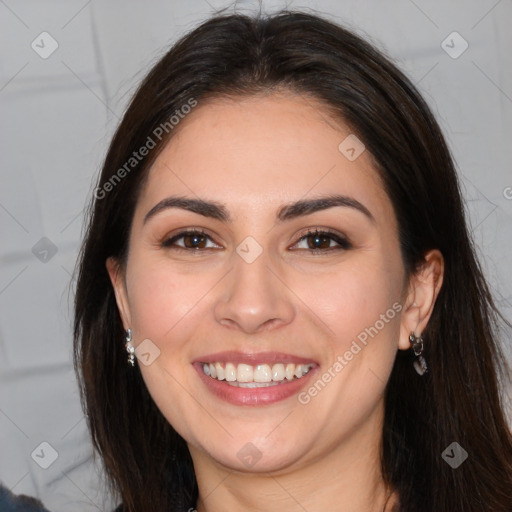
(232,356)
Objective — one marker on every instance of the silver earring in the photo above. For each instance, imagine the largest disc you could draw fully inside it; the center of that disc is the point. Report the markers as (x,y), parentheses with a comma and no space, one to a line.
(129,347)
(420,365)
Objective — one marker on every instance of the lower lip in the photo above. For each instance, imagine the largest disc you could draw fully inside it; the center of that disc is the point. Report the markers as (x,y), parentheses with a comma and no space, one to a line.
(253,396)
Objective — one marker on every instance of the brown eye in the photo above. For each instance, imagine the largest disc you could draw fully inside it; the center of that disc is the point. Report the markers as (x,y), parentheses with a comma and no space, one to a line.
(322,241)
(194,241)
(190,240)
(319,241)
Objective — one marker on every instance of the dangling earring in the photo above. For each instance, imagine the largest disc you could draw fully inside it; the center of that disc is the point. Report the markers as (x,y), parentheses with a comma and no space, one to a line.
(129,347)
(420,365)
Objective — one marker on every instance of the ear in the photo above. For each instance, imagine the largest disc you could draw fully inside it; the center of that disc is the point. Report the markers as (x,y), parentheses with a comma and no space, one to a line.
(422,291)
(116,273)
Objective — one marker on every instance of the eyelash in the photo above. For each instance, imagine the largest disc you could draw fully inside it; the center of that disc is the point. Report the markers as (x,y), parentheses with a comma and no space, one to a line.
(343,243)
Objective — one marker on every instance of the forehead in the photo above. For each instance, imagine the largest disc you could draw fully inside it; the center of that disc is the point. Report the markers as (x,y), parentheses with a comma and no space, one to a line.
(256,153)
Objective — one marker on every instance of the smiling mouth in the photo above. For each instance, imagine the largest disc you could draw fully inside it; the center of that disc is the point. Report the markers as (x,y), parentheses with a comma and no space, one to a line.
(256,376)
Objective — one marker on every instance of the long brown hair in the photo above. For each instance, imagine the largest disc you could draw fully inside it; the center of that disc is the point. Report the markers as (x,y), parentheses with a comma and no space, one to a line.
(147,462)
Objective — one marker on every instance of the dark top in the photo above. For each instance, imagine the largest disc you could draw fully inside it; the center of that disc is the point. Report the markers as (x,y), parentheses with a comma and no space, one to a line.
(10,502)
(20,503)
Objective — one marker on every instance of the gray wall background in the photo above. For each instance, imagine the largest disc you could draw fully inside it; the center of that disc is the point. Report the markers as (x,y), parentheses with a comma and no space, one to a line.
(58,113)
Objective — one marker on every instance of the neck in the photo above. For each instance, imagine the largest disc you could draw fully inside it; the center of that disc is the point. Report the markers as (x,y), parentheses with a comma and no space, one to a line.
(345,478)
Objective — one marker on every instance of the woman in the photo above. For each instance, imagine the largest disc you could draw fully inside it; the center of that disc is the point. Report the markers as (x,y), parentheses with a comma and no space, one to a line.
(278,304)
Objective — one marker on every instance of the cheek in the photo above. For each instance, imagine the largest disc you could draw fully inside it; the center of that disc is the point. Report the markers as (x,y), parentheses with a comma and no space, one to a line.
(354,299)
(361,307)
(161,298)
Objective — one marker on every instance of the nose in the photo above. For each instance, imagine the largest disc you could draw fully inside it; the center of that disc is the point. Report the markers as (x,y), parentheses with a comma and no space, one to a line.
(254,297)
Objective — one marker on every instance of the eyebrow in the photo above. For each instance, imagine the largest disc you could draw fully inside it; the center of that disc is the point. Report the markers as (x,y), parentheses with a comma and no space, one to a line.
(290,211)
(210,209)
(309,206)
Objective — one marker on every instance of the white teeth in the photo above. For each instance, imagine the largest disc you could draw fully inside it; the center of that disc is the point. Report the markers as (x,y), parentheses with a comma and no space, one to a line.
(262,373)
(221,375)
(246,375)
(278,372)
(230,372)
(299,371)
(253,384)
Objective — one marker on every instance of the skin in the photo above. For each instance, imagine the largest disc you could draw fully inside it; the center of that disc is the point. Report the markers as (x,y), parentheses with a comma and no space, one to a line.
(255,155)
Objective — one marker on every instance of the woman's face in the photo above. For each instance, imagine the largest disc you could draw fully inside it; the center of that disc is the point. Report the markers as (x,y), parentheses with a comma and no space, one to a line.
(262,250)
